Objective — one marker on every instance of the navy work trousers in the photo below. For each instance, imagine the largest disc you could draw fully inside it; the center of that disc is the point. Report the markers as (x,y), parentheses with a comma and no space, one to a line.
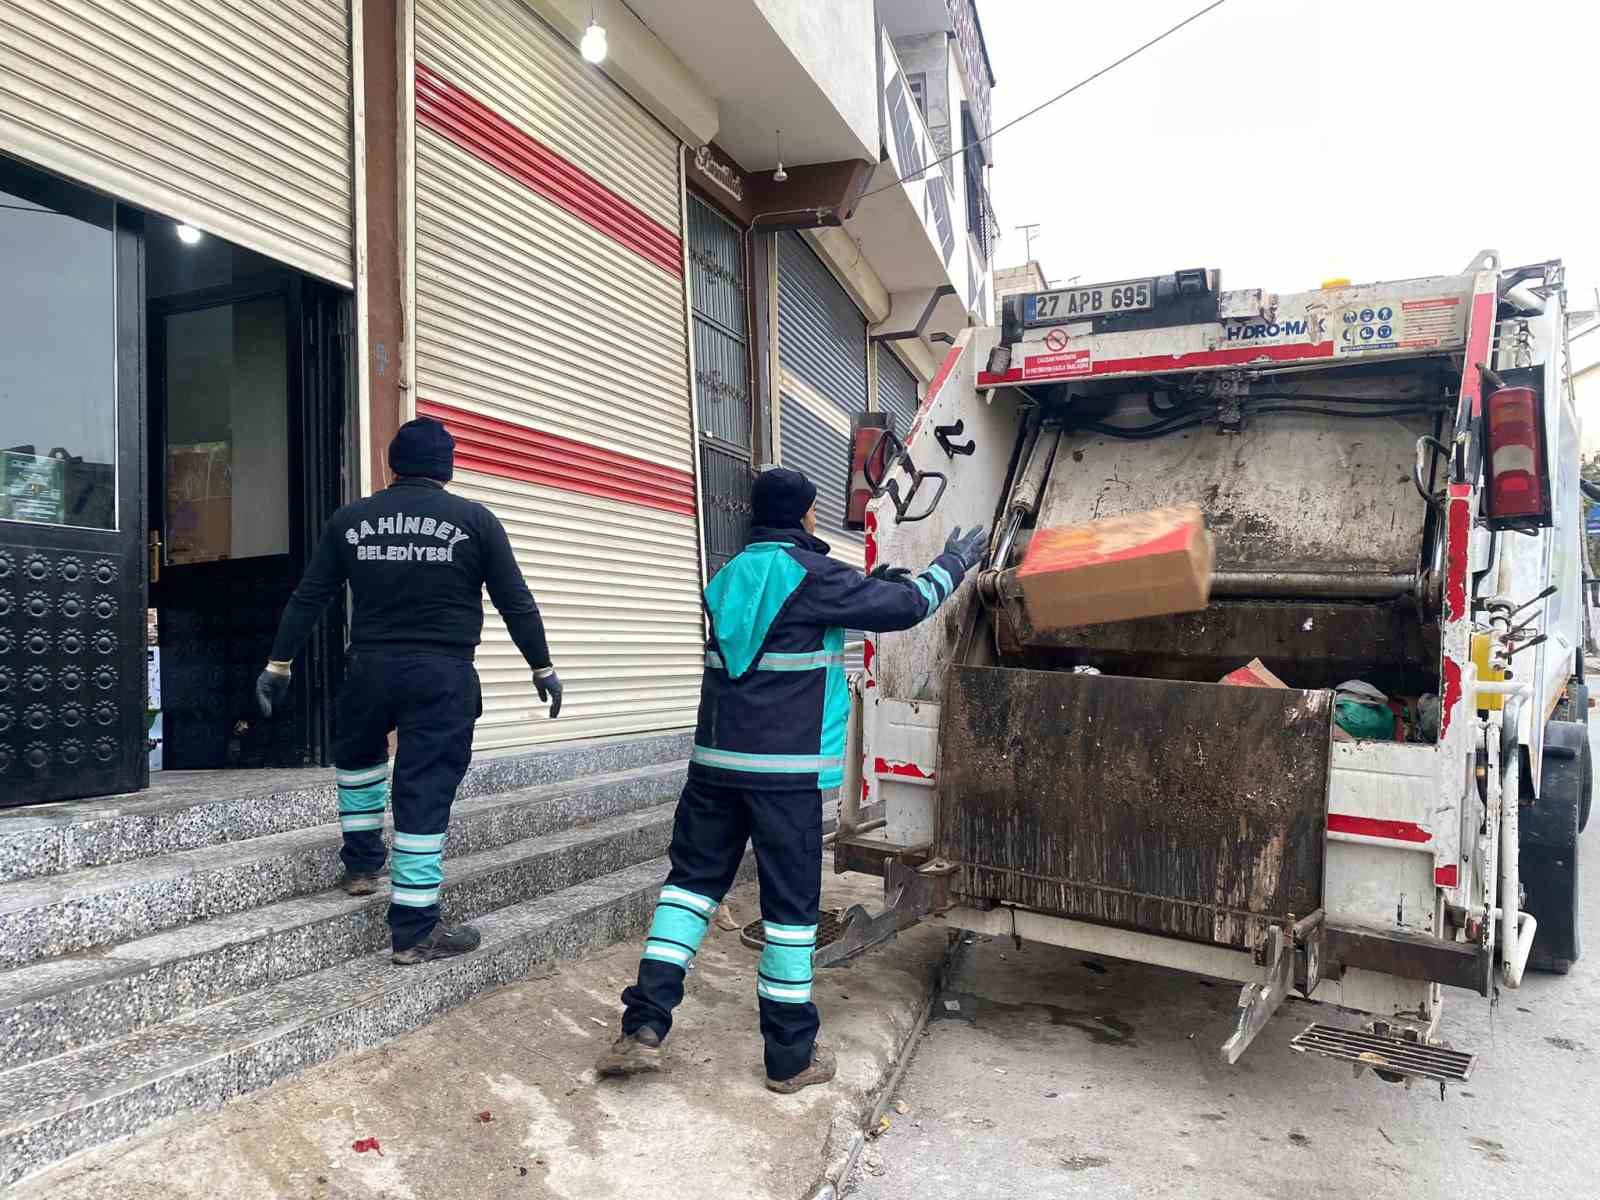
(708,840)
(432,702)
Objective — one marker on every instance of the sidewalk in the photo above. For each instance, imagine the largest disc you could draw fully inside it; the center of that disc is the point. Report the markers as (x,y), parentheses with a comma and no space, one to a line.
(522,1057)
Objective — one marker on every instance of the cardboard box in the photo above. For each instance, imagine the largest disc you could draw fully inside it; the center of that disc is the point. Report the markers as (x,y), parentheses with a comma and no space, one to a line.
(1253,674)
(1117,569)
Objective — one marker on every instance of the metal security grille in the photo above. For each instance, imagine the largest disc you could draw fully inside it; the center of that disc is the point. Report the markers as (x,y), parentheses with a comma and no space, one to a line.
(822,356)
(719,304)
(897,390)
(232,117)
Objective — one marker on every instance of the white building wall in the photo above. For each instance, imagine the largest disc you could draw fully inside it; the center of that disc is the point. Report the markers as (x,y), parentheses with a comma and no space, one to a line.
(835,40)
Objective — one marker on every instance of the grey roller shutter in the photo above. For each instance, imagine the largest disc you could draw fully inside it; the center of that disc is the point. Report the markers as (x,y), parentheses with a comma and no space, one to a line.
(822,357)
(897,390)
(232,117)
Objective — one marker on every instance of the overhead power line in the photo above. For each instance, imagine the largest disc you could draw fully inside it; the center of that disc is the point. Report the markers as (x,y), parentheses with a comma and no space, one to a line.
(1084,82)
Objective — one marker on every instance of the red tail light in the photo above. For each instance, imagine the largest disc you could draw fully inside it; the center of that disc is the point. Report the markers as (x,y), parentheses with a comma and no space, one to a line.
(869,450)
(1519,488)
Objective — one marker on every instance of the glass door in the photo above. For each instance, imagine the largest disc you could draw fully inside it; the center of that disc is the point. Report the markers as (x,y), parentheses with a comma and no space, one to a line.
(73,714)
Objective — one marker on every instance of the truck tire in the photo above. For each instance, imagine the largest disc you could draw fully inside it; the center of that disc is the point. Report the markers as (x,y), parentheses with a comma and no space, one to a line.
(1578,713)
(1587,796)
(1548,842)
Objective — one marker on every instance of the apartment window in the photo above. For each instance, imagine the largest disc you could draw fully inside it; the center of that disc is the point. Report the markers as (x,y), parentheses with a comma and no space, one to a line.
(918,83)
(974,161)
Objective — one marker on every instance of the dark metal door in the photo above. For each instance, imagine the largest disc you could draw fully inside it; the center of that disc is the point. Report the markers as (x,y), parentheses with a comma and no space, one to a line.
(73,719)
(718,296)
(321,436)
(219,600)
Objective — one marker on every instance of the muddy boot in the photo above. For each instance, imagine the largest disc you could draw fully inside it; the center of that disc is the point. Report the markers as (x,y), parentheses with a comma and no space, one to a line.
(631,1054)
(440,943)
(820,1071)
(361,883)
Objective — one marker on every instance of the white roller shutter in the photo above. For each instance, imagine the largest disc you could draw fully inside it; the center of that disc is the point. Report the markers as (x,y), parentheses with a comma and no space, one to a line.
(233,117)
(551,337)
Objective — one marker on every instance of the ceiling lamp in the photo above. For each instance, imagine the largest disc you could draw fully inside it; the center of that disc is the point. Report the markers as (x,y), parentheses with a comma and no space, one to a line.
(593,45)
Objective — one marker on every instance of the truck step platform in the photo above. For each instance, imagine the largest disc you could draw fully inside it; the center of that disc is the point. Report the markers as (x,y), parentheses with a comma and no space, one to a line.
(1392,1057)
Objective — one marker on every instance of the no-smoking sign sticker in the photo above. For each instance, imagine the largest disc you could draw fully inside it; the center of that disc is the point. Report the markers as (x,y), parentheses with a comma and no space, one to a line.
(1056,340)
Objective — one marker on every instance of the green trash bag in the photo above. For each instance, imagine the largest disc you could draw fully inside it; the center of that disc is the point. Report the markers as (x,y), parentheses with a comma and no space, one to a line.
(1363,712)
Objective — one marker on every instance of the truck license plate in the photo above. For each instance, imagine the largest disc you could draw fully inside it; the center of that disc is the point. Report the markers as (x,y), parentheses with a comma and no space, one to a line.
(1097,300)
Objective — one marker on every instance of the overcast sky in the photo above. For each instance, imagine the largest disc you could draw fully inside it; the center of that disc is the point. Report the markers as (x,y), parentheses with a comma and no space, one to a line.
(1289,141)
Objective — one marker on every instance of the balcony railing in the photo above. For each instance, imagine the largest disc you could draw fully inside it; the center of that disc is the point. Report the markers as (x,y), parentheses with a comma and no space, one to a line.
(915,156)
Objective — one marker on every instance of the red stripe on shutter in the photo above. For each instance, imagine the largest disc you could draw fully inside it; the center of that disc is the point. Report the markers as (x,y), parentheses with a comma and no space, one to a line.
(484,133)
(495,447)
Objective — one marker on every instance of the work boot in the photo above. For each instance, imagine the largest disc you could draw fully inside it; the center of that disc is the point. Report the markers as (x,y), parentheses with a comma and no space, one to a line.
(631,1054)
(820,1071)
(440,943)
(361,883)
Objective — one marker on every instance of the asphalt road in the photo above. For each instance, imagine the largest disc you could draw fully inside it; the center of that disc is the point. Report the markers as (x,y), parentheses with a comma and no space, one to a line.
(1084,1077)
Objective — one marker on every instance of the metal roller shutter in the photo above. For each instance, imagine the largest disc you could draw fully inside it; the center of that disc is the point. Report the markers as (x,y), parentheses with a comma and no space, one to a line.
(551,338)
(232,117)
(897,390)
(822,357)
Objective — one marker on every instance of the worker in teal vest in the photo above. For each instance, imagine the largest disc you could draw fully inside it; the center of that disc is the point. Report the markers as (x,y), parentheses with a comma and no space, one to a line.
(770,739)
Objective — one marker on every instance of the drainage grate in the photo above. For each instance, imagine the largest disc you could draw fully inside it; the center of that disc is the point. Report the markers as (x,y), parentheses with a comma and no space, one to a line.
(829,926)
(1384,1054)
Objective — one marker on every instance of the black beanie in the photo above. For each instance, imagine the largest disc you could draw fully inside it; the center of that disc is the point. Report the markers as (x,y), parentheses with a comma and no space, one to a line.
(781,497)
(423,447)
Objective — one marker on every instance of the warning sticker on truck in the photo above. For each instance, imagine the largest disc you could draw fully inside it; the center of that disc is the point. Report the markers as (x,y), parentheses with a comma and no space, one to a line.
(1426,323)
(1056,365)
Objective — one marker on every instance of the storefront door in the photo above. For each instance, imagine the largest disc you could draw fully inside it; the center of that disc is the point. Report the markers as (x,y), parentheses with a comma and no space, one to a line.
(73,720)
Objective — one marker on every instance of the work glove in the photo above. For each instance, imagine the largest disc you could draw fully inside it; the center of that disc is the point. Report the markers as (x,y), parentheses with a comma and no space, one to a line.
(272,688)
(890,574)
(548,684)
(968,546)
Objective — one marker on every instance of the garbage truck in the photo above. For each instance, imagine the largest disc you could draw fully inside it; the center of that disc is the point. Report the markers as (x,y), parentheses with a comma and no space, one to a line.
(1388,477)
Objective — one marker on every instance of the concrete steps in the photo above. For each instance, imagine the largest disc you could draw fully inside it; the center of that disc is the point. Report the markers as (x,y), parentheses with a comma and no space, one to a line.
(184,810)
(200,1061)
(101,906)
(156,959)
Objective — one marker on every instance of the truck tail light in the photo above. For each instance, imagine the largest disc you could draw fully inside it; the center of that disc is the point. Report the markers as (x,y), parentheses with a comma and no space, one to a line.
(1519,484)
(870,441)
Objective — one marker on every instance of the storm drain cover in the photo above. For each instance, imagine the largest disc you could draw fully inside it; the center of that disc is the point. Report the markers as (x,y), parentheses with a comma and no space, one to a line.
(829,926)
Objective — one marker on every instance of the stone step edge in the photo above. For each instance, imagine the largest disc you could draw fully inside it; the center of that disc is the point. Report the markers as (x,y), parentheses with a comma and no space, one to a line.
(114,991)
(53,839)
(247,851)
(43,920)
(199,1063)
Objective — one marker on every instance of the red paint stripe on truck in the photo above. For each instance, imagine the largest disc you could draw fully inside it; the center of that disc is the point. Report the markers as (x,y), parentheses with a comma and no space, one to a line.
(1375,827)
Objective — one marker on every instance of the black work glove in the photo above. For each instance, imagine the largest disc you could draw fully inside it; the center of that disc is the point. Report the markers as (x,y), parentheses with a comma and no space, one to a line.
(272,691)
(549,688)
(890,574)
(968,546)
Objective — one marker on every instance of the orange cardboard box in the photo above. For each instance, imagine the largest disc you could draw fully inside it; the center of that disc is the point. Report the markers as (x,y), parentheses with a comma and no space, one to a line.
(1253,674)
(1118,568)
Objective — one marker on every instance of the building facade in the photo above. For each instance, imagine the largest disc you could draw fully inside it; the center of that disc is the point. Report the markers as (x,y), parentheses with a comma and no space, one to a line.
(250,246)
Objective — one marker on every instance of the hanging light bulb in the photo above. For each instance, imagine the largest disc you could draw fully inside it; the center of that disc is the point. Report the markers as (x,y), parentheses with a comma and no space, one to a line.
(780,175)
(189,235)
(593,45)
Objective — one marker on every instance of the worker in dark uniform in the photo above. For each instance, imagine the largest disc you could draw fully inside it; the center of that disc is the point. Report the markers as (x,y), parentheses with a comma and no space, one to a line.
(773,709)
(417,560)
